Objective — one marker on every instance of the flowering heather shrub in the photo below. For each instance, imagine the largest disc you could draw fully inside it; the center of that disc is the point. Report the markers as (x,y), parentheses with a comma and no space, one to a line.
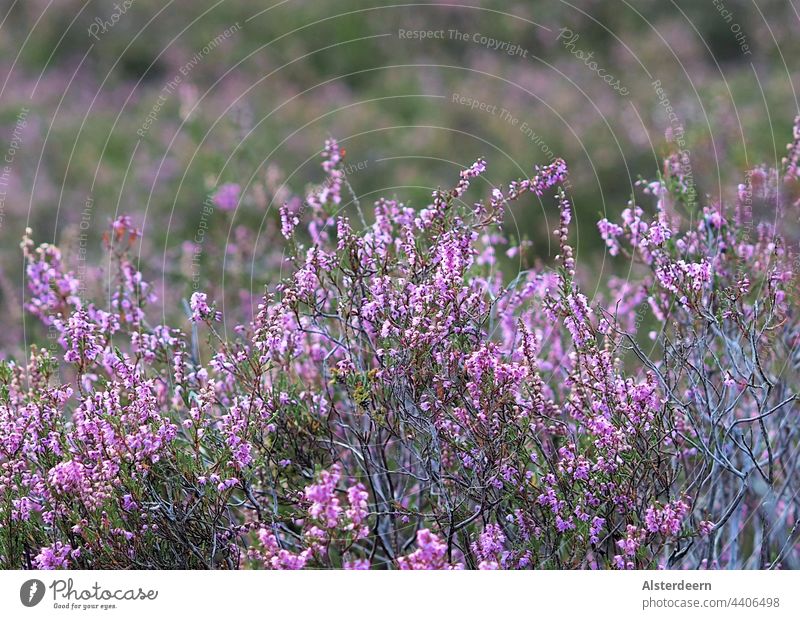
(396,402)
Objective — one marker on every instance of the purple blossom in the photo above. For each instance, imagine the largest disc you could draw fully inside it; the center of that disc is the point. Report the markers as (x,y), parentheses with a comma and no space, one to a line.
(429,555)
(53,557)
(201,310)
(226,197)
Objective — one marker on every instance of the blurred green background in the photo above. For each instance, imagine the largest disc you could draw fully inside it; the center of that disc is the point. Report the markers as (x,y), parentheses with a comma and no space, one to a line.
(262,84)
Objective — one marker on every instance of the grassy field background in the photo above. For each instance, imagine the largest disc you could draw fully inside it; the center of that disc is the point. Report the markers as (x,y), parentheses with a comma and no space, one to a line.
(145,107)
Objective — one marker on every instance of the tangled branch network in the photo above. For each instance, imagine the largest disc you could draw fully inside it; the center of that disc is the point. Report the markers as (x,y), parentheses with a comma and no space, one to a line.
(398,402)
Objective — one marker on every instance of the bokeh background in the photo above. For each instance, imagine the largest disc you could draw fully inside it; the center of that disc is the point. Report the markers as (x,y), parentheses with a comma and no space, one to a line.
(146,106)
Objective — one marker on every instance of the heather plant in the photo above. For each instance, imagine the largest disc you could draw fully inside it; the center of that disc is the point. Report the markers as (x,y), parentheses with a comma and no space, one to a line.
(399,401)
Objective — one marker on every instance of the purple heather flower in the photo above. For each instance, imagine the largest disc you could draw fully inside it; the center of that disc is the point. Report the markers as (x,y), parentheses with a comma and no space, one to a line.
(53,557)
(226,197)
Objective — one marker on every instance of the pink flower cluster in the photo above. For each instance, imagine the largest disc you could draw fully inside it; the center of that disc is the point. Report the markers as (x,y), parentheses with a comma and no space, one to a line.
(431,554)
